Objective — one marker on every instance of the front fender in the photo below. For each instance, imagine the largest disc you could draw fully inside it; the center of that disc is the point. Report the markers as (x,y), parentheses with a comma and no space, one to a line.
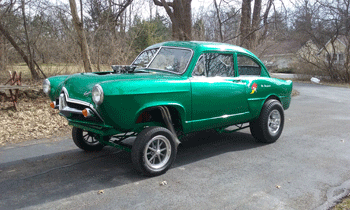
(180,108)
(56,83)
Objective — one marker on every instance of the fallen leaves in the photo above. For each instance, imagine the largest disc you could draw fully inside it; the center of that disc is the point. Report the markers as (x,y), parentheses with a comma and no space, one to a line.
(35,119)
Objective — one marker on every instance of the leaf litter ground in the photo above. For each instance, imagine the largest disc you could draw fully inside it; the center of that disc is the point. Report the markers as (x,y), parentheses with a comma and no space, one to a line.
(35,119)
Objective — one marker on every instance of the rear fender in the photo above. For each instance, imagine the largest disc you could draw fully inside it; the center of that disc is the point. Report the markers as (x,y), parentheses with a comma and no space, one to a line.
(256,104)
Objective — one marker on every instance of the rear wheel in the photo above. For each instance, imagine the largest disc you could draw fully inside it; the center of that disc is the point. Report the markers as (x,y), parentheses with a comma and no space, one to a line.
(268,127)
(86,140)
(154,151)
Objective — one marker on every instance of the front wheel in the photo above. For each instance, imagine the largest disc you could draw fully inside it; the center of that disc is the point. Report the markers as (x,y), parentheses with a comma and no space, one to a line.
(268,127)
(86,140)
(154,151)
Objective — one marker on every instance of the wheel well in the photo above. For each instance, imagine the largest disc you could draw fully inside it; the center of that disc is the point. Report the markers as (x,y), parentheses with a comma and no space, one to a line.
(273,97)
(153,114)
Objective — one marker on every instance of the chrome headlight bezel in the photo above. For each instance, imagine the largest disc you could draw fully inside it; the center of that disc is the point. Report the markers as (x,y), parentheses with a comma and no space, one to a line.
(46,86)
(97,94)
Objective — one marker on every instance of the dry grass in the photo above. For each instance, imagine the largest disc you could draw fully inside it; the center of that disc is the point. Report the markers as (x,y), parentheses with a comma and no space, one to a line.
(49,69)
(344,205)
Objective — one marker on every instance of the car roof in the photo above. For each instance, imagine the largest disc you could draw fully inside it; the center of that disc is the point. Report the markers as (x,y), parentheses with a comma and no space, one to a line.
(203,46)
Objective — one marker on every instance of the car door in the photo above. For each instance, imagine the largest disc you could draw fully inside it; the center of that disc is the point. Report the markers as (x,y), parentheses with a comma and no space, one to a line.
(218,97)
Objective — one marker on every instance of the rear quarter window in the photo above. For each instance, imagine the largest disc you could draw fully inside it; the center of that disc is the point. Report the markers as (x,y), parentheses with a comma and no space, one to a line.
(247,66)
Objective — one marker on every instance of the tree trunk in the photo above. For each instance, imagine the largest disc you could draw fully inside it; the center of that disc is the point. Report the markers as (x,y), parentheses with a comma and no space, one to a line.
(245,23)
(255,23)
(78,25)
(2,54)
(219,20)
(265,23)
(30,63)
(19,50)
(250,26)
(180,15)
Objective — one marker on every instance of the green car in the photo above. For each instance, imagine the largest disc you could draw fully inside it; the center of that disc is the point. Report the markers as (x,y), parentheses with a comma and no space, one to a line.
(171,89)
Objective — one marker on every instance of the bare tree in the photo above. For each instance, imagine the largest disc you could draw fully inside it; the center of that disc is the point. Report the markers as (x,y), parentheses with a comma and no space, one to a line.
(265,17)
(26,56)
(250,23)
(226,18)
(2,53)
(79,28)
(217,8)
(179,12)
(326,23)
(30,61)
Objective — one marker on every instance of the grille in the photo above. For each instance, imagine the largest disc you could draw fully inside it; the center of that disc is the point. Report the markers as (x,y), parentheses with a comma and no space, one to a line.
(62,102)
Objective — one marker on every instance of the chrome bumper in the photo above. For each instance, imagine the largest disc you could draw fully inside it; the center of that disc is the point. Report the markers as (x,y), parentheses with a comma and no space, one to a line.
(66,110)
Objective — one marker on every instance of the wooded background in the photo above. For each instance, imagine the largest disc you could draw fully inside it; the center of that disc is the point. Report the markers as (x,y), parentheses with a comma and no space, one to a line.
(96,33)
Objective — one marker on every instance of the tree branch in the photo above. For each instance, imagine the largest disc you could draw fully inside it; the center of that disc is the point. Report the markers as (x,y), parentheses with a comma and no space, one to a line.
(158,3)
(122,8)
(219,19)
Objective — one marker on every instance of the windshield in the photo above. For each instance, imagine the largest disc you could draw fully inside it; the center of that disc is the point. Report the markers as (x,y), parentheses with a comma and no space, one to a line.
(144,58)
(171,59)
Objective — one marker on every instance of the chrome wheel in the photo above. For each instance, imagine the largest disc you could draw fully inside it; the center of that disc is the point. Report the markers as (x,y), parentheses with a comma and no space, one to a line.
(89,138)
(157,152)
(274,121)
(153,151)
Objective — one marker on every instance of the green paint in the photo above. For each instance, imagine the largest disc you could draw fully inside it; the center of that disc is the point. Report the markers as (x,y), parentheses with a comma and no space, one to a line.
(202,102)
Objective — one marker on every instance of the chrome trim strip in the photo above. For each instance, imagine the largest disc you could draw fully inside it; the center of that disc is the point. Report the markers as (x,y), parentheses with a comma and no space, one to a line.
(144,51)
(62,102)
(64,90)
(69,110)
(205,72)
(75,101)
(153,57)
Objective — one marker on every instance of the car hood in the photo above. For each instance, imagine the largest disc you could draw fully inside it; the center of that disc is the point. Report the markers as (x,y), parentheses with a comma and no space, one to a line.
(79,86)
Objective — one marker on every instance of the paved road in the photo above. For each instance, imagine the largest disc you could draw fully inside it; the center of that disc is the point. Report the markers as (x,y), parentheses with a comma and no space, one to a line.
(307,168)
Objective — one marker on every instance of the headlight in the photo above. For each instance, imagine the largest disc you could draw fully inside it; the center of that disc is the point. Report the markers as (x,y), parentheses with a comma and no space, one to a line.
(46,86)
(97,94)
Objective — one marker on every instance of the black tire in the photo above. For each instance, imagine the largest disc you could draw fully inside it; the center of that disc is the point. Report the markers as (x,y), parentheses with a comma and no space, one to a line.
(268,127)
(86,140)
(144,157)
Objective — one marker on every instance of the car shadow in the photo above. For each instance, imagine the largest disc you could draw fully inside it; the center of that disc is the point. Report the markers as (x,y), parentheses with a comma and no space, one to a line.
(60,175)
(205,144)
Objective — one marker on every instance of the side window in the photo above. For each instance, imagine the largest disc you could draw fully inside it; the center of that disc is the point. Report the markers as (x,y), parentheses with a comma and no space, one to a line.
(247,66)
(214,64)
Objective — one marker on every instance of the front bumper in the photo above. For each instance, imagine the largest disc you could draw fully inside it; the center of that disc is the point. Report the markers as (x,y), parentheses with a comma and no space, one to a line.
(69,107)
(72,110)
